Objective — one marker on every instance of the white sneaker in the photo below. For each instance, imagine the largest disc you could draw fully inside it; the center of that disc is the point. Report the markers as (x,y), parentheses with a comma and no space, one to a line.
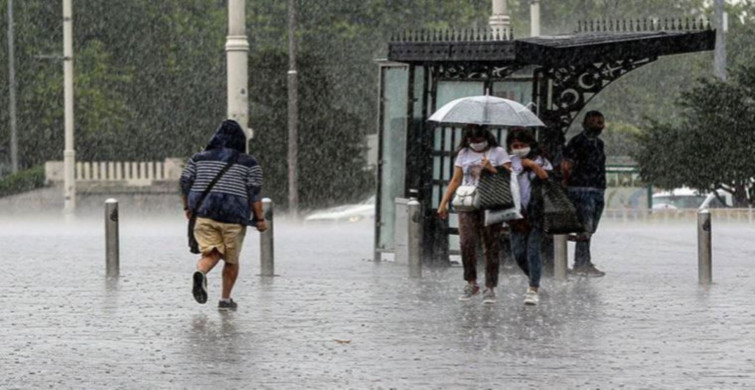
(488,296)
(531,297)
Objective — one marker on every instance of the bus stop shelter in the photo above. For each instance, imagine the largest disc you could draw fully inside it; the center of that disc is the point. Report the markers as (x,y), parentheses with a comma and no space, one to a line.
(556,75)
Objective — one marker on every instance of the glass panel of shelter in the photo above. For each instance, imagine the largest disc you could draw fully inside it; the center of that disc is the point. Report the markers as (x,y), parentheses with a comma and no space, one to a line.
(395,82)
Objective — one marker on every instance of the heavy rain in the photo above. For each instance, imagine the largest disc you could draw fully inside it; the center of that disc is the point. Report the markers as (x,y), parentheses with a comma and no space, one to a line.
(334,99)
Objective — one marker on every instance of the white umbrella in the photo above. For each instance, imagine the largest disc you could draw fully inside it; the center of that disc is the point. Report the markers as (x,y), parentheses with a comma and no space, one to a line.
(486,110)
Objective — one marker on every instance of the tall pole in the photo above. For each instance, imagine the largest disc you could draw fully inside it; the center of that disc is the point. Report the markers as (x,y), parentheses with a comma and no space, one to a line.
(237,50)
(293,114)
(719,60)
(499,22)
(12,92)
(535,18)
(69,182)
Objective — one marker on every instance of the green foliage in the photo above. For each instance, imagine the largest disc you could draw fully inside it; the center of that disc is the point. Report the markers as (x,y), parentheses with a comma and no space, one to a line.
(706,138)
(619,138)
(150,76)
(331,144)
(713,146)
(22,181)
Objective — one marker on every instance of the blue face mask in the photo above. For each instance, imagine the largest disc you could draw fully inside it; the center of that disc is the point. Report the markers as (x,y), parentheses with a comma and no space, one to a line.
(479,146)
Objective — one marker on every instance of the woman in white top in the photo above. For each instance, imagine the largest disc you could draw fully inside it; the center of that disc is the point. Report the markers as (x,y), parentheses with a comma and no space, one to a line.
(477,150)
(527,234)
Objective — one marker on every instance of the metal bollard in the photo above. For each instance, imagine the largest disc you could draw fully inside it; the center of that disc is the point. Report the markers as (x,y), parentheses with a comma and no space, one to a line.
(704,248)
(112,262)
(560,256)
(267,258)
(414,214)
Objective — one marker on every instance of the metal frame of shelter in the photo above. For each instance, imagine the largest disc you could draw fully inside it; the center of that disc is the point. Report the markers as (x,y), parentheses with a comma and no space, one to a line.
(559,74)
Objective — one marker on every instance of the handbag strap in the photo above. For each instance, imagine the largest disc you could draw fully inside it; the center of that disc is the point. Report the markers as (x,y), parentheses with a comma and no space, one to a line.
(214,181)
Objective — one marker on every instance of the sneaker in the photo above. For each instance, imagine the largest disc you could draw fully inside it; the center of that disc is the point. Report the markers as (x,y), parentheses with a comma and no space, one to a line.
(488,296)
(589,270)
(531,297)
(230,305)
(200,287)
(470,290)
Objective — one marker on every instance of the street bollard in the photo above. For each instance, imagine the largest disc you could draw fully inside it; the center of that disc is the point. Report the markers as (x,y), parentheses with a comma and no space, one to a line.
(704,248)
(267,258)
(112,262)
(560,256)
(414,242)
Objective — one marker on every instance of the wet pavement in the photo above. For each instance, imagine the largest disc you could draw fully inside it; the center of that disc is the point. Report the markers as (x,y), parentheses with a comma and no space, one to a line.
(334,319)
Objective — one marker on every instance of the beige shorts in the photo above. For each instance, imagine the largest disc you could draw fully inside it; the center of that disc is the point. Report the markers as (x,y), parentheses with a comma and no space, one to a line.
(227,238)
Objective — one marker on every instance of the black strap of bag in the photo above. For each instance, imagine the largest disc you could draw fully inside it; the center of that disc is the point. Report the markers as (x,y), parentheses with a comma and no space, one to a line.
(193,244)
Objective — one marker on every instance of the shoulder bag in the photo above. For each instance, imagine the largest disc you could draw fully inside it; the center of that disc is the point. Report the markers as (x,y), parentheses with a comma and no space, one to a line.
(494,190)
(559,213)
(464,198)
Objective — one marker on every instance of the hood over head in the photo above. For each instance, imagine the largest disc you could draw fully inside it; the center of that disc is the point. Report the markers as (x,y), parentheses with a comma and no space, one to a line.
(228,135)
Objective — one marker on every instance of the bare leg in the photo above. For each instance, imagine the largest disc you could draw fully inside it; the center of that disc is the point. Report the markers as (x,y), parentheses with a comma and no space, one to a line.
(208,261)
(230,272)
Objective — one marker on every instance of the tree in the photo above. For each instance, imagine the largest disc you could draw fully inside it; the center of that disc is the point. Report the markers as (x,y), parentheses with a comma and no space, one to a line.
(150,76)
(713,146)
(331,143)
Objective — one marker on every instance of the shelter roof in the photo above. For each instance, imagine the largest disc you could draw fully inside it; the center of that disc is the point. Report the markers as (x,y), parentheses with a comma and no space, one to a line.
(589,46)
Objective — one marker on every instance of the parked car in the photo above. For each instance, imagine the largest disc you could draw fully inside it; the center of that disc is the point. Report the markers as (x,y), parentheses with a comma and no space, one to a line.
(687,198)
(345,213)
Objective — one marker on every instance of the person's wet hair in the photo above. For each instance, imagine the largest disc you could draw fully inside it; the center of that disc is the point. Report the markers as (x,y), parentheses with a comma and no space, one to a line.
(591,114)
(523,135)
(472,131)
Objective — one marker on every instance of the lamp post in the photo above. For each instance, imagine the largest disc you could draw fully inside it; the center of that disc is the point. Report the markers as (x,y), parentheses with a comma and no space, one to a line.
(237,49)
(69,182)
(719,55)
(535,18)
(293,113)
(12,92)
(499,21)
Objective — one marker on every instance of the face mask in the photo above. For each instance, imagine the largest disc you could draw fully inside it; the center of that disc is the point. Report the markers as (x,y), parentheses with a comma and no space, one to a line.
(523,152)
(479,146)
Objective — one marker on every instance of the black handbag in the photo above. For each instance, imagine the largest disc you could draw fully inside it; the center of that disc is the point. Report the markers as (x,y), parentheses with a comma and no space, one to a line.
(494,190)
(559,213)
(193,244)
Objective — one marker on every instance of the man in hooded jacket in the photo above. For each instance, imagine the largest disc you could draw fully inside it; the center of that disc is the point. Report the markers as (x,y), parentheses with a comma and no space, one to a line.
(223,215)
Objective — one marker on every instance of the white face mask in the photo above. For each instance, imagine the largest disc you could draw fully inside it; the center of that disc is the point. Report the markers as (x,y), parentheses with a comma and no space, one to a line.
(479,146)
(523,152)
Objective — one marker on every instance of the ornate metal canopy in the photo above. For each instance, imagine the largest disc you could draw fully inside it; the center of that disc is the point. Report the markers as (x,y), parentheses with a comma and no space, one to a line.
(592,42)
(569,68)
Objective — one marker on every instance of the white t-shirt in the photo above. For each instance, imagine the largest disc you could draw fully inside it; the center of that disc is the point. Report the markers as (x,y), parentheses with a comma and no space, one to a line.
(525,176)
(470,162)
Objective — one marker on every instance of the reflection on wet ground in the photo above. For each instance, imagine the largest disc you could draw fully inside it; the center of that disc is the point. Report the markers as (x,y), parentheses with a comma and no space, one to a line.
(334,319)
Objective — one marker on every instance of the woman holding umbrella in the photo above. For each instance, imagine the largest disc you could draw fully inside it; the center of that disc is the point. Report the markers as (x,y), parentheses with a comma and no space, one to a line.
(478,150)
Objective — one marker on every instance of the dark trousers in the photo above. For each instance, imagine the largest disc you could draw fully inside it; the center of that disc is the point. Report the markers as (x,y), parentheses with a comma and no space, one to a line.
(589,204)
(471,229)
(526,246)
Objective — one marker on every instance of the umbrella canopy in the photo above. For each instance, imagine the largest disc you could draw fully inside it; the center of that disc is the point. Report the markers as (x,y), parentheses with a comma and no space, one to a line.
(486,110)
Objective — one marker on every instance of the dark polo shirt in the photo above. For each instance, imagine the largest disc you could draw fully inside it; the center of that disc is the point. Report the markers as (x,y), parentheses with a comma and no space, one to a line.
(589,158)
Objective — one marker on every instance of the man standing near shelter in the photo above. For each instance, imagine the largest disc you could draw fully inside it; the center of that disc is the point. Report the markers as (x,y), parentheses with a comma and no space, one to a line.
(225,210)
(584,172)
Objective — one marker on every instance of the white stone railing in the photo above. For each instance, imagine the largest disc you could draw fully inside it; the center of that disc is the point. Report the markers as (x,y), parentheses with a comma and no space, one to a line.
(129,172)
(665,215)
